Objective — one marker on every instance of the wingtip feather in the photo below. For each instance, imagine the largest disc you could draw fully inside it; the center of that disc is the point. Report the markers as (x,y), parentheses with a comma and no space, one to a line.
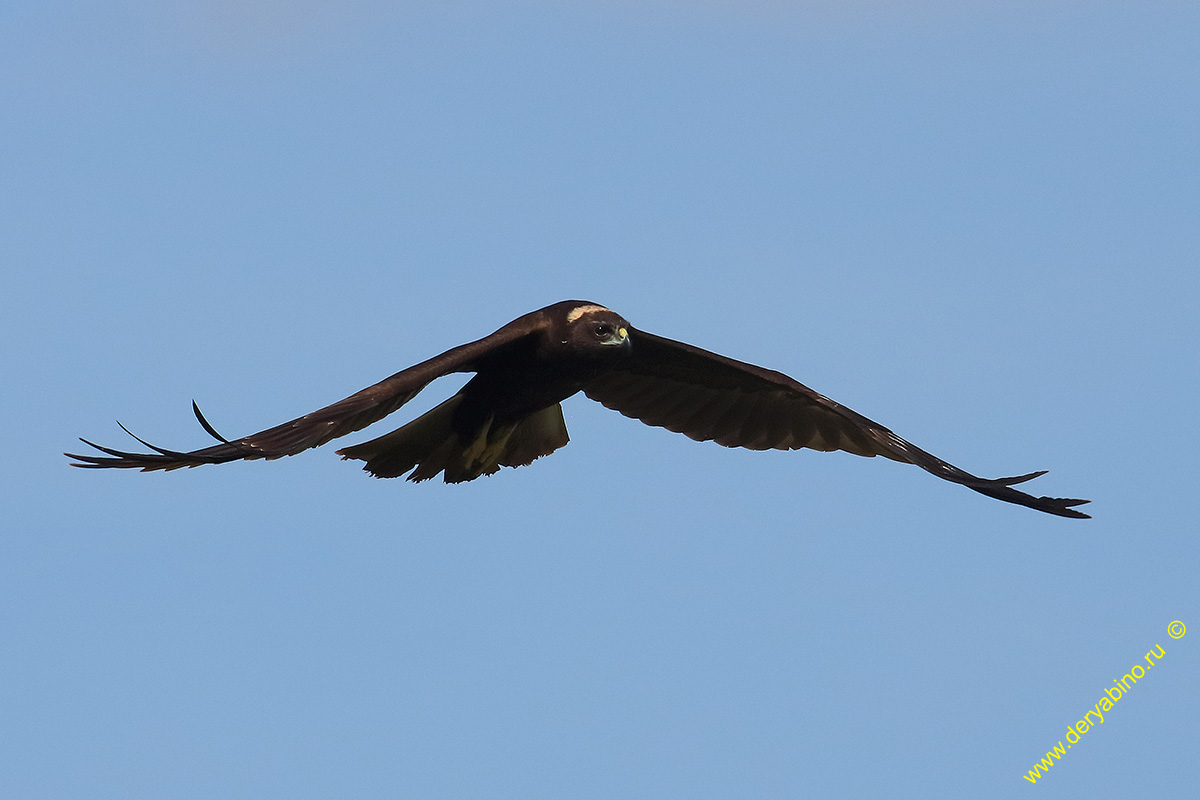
(204,423)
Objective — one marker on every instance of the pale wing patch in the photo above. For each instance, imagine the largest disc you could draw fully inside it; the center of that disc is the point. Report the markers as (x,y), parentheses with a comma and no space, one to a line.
(578,311)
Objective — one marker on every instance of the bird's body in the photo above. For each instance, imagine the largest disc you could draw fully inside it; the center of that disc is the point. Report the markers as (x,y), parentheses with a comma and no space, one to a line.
(508,414)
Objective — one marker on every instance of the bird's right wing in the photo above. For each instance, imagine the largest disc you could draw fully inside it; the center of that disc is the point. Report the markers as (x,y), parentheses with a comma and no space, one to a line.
(707,396)
(314,429)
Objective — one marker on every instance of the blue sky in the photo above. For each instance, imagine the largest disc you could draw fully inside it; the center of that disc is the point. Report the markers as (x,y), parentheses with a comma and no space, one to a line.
(975,224)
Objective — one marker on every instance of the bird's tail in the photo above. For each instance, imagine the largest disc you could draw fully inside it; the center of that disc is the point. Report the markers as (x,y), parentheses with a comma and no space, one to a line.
(432,444)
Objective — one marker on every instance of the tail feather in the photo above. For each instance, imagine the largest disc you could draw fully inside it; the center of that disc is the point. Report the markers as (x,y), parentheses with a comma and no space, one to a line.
(395,453)
(539,434)
(432,444)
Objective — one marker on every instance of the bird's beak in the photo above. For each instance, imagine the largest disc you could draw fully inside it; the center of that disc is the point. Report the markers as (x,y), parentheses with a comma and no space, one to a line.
(621,337)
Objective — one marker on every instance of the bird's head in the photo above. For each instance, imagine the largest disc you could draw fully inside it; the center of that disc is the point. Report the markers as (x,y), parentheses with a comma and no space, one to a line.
(589,328)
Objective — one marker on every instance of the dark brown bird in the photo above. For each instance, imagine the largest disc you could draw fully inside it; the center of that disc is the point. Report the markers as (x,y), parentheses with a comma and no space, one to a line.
(509,413)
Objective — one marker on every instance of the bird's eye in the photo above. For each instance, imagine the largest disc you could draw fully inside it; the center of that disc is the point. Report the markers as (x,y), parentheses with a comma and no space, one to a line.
(602,330)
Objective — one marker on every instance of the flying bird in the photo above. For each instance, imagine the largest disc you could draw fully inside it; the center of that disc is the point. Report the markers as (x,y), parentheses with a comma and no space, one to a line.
(508,414)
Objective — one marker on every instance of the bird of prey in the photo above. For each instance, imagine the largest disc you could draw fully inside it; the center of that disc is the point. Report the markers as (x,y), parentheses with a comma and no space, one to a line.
(508,414)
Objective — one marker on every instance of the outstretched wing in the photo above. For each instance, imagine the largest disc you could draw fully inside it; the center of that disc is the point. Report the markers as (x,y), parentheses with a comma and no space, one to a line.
(312,430)
(707,396)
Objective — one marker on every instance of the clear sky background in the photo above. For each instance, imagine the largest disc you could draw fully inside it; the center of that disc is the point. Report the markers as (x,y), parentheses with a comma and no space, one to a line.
(975,223)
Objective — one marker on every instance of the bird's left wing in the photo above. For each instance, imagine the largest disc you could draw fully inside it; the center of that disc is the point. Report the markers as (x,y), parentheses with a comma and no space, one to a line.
(707,396)
(312,430)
